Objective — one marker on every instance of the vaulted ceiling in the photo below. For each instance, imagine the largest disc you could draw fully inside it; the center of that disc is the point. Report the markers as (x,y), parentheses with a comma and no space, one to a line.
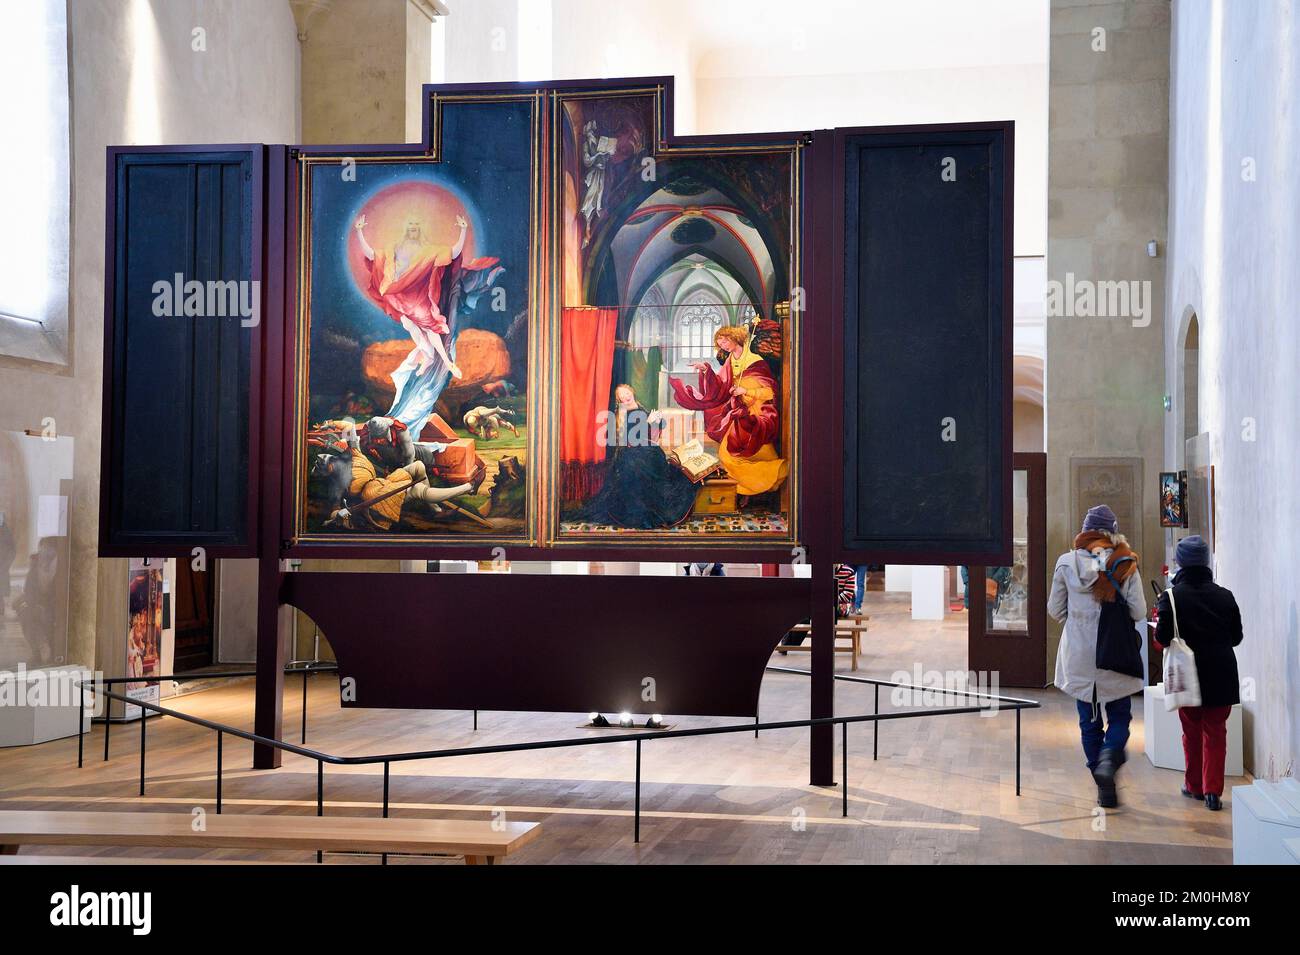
(687,219)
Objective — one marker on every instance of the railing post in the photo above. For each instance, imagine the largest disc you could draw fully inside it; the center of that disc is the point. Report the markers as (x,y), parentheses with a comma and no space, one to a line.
(636,812)
(144,721)
(844,767)
(220,737)
(304,706)
(108,706)
(875,728)
(1017,751)
(476,721)
(320,797)
(383,858)
(81,727)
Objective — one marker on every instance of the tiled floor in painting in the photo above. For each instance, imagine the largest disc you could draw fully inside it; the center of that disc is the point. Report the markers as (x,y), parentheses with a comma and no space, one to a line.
(941,791)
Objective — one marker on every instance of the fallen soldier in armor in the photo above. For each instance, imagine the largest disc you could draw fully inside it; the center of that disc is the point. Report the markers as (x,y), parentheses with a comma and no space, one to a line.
(487,422)
(358,497)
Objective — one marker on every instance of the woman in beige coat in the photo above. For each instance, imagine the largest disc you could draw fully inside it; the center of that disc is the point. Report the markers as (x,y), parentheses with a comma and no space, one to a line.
(1080,584)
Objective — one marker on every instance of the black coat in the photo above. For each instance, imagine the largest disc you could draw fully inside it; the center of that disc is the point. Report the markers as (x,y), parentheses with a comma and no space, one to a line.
(1210,623)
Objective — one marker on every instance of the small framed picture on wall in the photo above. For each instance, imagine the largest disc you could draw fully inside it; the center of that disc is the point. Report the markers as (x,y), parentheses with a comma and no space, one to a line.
(1173,495)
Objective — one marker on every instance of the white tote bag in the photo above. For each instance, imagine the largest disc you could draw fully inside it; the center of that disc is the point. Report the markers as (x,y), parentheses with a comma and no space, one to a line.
(1182,685)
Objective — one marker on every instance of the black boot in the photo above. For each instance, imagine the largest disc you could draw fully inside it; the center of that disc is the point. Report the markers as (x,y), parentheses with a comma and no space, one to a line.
(1107,795)
(1213,802)
(1104,776)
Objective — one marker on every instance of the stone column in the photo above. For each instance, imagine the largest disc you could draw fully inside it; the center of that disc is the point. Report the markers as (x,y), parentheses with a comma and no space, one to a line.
(1108,147)
(363,63)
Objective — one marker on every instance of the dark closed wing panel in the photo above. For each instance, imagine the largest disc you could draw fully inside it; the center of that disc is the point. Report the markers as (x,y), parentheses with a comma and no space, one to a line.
(926,343)
(183,318)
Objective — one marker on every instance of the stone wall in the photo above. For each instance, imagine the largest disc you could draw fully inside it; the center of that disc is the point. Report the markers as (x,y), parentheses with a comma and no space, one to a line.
(1108,131)
(137,78)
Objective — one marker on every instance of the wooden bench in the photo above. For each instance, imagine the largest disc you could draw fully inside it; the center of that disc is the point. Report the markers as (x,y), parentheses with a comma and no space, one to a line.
(852,627)
(128,860)
(476,840)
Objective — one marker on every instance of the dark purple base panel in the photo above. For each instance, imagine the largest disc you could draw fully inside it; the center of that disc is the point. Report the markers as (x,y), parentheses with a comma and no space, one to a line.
(551,643)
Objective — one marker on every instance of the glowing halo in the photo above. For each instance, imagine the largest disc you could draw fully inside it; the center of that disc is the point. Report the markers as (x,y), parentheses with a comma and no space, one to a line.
(389,210)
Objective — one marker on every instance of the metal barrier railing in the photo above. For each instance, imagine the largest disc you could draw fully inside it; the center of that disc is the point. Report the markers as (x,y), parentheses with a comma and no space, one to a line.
(306,667)
(222,730)
(1018,704)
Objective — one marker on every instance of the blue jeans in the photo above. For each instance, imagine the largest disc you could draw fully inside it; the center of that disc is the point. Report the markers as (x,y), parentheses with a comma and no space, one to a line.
(1119,713)
(859,586)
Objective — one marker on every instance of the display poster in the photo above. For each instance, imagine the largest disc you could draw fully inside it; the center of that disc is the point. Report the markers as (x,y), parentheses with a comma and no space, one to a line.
(1173,498)
(144,632)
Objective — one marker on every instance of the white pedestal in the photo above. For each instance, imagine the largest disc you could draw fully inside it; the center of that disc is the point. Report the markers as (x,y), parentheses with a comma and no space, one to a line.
(1164,734)
(929,599)
(40,705)
(1266,823)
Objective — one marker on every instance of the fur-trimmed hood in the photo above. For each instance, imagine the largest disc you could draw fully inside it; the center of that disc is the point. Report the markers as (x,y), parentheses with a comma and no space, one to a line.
(1104,549)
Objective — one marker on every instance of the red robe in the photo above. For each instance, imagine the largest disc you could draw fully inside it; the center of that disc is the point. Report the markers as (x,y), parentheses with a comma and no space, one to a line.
(745,428)
(421,292)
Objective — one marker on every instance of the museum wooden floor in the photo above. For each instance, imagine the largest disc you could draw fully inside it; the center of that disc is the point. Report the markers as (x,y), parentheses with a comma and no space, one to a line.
(942,791)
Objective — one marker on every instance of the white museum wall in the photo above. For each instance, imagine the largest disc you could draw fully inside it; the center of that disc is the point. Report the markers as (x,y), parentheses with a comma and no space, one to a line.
(1029,278)
(1017,91)
(1234,245)
(898,578)
(135,79)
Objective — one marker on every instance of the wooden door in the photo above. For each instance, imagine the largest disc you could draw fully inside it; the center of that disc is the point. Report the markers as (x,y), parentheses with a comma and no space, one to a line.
(1007,626)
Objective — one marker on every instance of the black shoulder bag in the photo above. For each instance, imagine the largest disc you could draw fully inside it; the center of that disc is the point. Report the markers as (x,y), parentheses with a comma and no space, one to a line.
(1119,648)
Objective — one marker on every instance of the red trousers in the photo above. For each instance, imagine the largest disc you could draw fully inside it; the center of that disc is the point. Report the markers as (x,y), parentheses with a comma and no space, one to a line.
(1205,747)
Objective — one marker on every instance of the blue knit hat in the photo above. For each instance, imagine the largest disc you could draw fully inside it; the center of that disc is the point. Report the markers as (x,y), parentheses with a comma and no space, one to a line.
(1101,518)
(1192,552)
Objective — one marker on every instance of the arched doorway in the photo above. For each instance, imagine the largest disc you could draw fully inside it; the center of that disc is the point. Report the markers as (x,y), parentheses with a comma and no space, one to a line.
(1189,361)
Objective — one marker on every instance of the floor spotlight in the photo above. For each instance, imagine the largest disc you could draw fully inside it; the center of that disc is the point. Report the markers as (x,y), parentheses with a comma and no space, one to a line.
(625,719)
(597,720)
(655,722)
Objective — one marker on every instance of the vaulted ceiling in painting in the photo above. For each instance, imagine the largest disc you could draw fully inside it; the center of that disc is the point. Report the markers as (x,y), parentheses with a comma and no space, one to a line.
(684,219)
(632,207)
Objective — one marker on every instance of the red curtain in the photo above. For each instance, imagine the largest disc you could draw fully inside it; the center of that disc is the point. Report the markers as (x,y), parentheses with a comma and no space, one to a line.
(586,364)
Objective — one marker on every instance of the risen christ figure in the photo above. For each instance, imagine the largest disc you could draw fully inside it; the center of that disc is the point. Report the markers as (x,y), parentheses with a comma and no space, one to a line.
(405,282)
(420,286)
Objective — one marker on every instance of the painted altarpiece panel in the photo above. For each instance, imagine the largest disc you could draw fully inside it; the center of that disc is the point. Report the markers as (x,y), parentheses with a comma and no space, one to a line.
(676,347)
(415,399)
